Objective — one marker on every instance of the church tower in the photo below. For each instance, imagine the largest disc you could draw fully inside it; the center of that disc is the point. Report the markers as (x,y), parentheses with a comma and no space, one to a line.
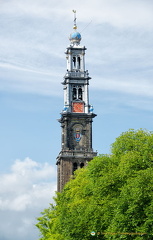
(77,115)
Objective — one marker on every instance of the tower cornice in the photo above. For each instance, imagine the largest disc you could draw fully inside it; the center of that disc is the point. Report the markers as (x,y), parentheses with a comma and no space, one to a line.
(76,154)
(75,47)
(76,80)
(69,115)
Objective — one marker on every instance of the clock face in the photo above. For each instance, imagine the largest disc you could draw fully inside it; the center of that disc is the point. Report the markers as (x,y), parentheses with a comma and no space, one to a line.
(78,107)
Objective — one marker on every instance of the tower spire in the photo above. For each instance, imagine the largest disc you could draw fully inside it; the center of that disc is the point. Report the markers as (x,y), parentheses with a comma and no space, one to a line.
(75,37)
(77,115)
(75,26)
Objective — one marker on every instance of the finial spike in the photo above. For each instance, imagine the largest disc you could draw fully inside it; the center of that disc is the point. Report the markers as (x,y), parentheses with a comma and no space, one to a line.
(75,26)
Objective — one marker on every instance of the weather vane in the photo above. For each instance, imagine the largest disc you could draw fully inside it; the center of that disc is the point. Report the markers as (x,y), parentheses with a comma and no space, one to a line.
(75,26)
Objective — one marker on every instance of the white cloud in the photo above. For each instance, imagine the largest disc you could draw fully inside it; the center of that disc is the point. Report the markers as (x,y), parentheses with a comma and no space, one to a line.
(136,87)
(25,192)
(30,81)
(123,13)
(120,13)
(35,35)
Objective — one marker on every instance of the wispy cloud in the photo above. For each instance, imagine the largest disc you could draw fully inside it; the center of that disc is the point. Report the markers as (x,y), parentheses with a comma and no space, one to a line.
(137,87)
(25,192)
(120,13)
(34,36)
(123,13)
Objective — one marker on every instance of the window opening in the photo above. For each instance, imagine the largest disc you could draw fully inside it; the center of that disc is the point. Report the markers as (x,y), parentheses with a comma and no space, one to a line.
(74,93)
(75,166)
(81,165)
(80,93)
(77,93)
(74,62)
(79,61)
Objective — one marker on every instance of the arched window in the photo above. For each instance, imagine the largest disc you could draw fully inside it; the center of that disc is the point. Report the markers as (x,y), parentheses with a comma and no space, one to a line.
(75,166)
(82,165)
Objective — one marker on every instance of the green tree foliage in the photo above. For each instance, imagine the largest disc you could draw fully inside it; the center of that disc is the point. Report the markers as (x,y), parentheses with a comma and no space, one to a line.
(113,196)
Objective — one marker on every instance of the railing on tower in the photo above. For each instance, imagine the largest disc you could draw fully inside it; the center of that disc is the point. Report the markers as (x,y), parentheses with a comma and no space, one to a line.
(78,74)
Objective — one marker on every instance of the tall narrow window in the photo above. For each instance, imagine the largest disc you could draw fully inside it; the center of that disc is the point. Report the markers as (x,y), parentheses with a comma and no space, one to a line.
(74,62)
(75,166)
(74,93)
(80,94)
(79,62)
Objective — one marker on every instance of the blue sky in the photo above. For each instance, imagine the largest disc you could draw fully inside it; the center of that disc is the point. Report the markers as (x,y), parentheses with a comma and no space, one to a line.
(118,35)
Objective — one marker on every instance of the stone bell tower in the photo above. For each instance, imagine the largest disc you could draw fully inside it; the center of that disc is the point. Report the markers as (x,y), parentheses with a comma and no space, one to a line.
(77,115)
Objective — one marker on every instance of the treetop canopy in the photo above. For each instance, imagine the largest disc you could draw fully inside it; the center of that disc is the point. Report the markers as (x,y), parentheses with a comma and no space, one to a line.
(112,196)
